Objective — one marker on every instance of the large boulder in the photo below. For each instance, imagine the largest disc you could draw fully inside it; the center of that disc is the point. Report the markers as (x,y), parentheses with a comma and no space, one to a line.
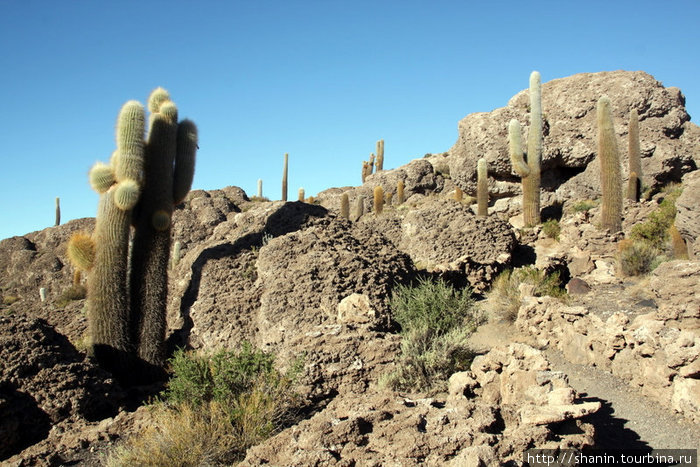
(668,138)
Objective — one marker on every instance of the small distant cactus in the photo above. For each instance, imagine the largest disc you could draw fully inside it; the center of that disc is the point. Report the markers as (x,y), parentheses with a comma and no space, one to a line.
(380,155)
(400,197)
(459,194)
(482,188)
(260,188)
(378,200)
(42,294)
(359,208)
(58,211)
(634,186)
(388,198)
(176,254)
(284,177)
(529,171)
(610,178)
(344,206)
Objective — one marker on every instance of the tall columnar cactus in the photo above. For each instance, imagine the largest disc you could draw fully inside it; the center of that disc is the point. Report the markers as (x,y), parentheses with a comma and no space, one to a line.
(140,187)
(345,206)
(459,194)
(634,186)
(380,155)
(378,200)
(260,187)
(168,171)
(482,188)
(610,179)
(400,197)
(58,211)
(529,171)
(301,194)
(284,176)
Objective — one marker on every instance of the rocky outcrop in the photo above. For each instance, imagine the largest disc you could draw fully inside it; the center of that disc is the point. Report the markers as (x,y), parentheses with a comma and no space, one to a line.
(509,402)
(442,236)
(569,167)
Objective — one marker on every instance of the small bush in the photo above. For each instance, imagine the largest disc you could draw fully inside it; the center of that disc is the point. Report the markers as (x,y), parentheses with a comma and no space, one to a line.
(505,299)
(74,292)
(551,229)
(214,408)
(8,300)
(585,205)
(435,321)
(637,257)
(654,231)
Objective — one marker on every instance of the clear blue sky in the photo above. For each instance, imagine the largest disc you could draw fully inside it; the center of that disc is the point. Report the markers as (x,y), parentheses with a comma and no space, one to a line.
(321,80)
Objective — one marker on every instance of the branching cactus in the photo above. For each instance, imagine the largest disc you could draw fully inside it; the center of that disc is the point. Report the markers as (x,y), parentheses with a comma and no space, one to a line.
(168,170)
(140,186)
(634,186)
(482,188)
(529,171)
(610,179)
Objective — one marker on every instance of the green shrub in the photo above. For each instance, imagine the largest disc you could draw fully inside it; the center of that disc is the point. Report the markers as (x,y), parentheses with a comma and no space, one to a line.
(551,229)
(585,205)
(654,231)
(504,297)
(435,321)
(72,293)
(432,304)
(638,257)
(214,408)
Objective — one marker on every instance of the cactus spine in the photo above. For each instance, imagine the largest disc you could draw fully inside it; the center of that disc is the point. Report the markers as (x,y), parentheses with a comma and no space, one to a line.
(345,206)
(611,185)
(284,176)
(140,187)
(400,192)
(529,171)
(634,186)
(260,192)
(58,211)
(482,188)
(380,155)
(378,200)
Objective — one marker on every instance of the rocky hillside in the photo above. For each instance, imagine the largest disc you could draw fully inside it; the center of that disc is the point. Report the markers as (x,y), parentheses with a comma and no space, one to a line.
(298,278)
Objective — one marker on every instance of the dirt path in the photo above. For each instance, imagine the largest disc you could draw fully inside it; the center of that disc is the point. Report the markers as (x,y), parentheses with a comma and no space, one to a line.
(628,418)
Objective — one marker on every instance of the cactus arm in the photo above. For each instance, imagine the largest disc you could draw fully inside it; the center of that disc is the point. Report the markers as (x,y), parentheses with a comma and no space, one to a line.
(184,160)
(517,158)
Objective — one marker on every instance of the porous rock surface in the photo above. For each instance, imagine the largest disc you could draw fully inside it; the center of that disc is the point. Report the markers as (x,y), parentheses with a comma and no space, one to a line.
(508,402)
(668,139)
(44,383)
